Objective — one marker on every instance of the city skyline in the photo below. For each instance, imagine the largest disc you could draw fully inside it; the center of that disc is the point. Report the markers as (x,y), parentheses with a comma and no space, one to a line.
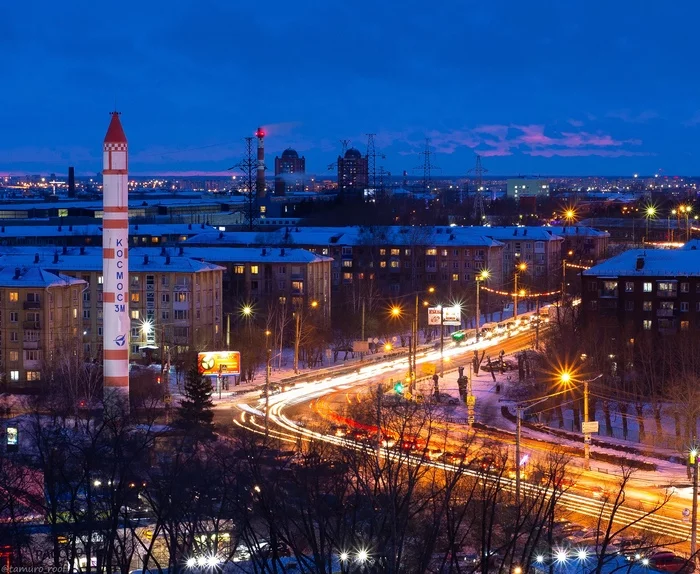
(557,90)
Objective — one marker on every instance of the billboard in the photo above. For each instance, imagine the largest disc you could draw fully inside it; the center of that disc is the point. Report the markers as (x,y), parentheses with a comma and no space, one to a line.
(215,362)
(450,316)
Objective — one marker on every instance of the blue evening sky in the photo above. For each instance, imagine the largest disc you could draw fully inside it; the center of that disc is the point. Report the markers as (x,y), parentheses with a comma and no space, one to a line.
(535,87)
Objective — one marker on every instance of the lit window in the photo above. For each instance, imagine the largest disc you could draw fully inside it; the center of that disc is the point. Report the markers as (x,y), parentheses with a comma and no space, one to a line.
(382,264)
(647,324)
(14,356)
(629,287)
(431,251)
(14,375)
(646,306)
(75,313)
(395,252)
(135,314)
(382,252)
(254,269)
(685,325)
(14,296)
(647,287)
(239,269)
(455,277)
(135,297)
(347,262)
(100,280)
(395,264)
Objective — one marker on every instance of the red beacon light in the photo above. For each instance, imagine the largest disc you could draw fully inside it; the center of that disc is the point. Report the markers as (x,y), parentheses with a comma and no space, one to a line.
(260,133)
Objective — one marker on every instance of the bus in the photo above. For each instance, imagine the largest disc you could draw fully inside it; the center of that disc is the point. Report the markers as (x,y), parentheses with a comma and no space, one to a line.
(464,337)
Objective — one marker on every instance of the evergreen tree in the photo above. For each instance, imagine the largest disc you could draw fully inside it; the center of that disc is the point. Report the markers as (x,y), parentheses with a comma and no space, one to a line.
(195,414)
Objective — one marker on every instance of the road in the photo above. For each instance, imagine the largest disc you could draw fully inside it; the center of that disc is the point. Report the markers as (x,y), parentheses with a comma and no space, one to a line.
(287,408)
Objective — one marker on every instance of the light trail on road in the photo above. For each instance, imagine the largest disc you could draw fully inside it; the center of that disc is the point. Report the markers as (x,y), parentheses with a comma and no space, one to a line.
(289,431)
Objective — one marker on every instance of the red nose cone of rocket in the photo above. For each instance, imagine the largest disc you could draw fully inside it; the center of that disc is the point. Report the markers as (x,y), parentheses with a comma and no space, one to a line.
(115,132)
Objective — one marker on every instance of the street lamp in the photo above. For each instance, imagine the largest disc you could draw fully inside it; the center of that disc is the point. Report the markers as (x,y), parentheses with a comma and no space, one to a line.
(566,378)
(570,215)
(267,379)
(520,267)
(482,276)
(649,213)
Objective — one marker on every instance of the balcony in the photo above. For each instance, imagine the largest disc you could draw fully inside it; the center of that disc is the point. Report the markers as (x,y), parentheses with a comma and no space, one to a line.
(31,325)
(664,312)
(31,344)
(31,305)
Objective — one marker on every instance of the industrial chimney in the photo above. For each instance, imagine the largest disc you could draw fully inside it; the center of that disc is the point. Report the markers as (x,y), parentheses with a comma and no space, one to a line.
(260,179)
(71,181)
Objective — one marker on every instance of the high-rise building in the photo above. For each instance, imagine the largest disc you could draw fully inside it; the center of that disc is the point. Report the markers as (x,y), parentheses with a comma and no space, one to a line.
(352,172)
(289,172)
(522,187)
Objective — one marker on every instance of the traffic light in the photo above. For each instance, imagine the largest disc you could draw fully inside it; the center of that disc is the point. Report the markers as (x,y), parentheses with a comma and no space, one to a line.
(398,387)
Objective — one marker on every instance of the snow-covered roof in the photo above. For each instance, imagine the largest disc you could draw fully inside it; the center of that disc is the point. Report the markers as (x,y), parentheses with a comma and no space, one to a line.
(140,259)
(353,235)
(23,276)
(578,231)
(95,230)
(649,263)
(255,255)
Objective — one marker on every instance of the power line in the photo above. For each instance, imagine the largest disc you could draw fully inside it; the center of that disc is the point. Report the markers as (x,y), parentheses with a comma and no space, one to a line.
(428,166)
(249,165)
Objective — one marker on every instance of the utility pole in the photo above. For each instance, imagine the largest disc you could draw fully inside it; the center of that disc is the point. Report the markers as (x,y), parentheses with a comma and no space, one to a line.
(379,422)
(362,331)
(415,349)
(694,517)
(563,281)
(515,297)
(519,415)
(442,341)
(586,435)
(228,331)
(537,326)
(297,336)
(267,386)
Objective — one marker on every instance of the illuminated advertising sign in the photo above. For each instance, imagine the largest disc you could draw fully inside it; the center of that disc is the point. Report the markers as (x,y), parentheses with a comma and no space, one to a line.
(12,438)
(450,316)
(219,362)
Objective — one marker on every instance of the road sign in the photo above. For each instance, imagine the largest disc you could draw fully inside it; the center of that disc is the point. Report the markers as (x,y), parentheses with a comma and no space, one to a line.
(471,419)
(360,347)
(375,340)
(591,427)
(471,400)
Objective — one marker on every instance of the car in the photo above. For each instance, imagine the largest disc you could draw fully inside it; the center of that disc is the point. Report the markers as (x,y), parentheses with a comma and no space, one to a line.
(408,445)
(433,453)
(388,441)
(485,463)
(456,458)
(512,473)
(336,430)
(274,390)
(360,435)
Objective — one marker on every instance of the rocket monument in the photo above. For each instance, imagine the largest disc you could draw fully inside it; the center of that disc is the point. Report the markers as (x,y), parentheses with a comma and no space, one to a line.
(115,244)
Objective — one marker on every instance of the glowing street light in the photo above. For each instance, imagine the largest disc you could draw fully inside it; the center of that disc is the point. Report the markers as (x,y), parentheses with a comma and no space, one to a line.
(344,556)
(520,267)
(565,377)
(146,327)
(247,310)
(314,304)
(362,556)
(396,311)
(649,213)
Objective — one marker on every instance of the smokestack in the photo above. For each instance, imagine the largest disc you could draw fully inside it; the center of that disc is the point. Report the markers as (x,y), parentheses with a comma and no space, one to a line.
(71,181)
(260,179)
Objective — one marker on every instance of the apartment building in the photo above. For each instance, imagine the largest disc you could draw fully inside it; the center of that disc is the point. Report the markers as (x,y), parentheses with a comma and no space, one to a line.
(644,291)
(174,301)
(261,276)
(40,316)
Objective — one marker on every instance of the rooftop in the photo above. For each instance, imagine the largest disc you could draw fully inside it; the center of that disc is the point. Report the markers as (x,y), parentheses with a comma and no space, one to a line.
(649,263)
(389,235)
(22,276)
(90,259)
